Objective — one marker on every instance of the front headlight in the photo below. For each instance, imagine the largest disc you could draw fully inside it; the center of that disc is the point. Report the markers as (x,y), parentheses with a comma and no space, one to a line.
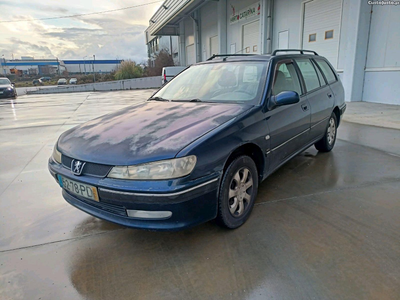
(163,169)
(56,155)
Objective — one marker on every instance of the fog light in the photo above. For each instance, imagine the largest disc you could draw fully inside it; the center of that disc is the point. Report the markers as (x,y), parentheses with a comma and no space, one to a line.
(144,214)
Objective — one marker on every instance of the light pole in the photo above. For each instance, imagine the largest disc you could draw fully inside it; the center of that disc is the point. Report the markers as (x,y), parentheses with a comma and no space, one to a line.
(84,63)
(94,74)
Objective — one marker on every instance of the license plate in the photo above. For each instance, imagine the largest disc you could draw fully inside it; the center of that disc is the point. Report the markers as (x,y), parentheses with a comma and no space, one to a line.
(1,92)
(77,188)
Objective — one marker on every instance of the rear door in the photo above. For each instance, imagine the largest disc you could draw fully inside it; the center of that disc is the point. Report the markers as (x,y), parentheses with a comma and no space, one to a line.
(319,95)
(289,125)
(332,79)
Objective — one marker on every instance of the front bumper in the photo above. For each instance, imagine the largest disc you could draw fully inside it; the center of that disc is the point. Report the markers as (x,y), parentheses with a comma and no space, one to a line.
(190,203)
(8,94)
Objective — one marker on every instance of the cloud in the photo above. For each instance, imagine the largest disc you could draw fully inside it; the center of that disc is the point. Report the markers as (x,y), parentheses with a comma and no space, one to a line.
(35,6)
(115,35)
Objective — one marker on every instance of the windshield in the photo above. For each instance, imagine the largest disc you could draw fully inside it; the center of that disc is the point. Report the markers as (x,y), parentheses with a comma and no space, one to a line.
(4,81)
(217,82)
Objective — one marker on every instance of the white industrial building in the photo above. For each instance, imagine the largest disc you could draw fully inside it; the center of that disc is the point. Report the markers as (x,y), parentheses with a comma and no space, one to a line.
(157,43)
(30,66)
(359,37)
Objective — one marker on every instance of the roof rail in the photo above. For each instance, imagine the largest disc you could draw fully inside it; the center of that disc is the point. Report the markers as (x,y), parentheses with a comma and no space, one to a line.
(226,55)
(291,50)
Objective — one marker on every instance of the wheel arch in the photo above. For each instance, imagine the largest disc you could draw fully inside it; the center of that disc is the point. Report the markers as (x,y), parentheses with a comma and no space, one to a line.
(336,111)
(251,150)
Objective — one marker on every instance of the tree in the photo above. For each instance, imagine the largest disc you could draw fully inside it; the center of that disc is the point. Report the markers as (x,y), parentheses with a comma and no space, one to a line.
(163,59)
(127,70)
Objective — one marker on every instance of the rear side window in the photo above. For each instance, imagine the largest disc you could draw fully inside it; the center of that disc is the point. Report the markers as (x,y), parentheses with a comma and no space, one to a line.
(286,79)
(309,74)
(326,69)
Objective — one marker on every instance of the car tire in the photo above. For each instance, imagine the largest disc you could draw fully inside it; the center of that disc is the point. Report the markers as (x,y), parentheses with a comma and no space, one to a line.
(237,192)
(328,141)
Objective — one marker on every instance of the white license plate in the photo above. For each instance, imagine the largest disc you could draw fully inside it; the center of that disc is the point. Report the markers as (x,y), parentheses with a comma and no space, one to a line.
(1,92)
(77,188)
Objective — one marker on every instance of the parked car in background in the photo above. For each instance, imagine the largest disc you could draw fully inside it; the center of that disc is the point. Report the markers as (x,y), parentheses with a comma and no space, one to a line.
(44,79)
(201,145)
(37,82)
(73,81)
(170,72)
(62,81)
(7,88)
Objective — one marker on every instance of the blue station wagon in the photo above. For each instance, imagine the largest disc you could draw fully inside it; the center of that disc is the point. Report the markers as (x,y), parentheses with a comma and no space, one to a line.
(201,145)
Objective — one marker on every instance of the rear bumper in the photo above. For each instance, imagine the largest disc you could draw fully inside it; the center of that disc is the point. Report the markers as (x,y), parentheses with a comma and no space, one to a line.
(343,109)
(194,204)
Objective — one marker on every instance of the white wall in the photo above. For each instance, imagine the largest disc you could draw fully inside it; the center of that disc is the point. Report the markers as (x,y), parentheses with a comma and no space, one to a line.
(287,16)
(209,27)
(382,74)
(189,41)
(234,31)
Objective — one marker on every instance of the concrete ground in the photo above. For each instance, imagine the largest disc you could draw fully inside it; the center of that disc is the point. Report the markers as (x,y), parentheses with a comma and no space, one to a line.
(375,114)
(325,226)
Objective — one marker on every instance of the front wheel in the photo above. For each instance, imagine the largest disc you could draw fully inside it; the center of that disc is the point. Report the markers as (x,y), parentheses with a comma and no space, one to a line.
(328,141)
(237,192)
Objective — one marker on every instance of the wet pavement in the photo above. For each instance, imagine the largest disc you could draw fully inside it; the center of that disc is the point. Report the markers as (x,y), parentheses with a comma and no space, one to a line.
(325,226)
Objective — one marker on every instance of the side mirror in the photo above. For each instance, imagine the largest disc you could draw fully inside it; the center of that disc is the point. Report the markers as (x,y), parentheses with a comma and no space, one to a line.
(13,83)
(283,98)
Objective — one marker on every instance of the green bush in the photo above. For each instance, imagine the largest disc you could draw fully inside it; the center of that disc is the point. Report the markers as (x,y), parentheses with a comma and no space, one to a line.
(127,70)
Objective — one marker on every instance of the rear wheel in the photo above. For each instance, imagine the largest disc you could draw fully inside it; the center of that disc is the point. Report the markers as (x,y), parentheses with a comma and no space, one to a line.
(237,192)
(328,141)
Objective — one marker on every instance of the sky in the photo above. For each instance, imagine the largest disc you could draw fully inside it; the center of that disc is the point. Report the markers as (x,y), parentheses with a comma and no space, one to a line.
(115,35)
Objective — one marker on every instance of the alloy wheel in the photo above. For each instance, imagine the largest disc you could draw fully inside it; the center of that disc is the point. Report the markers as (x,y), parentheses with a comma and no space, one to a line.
(240,192)
(331,131)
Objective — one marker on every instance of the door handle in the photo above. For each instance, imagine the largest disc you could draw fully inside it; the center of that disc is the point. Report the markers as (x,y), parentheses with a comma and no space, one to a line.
(304,107)
(329,95)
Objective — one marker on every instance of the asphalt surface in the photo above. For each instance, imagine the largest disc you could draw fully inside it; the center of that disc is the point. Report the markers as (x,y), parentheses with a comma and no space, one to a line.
(325,226)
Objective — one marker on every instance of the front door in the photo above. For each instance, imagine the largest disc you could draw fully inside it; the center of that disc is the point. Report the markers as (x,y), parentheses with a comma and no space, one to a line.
(289,125)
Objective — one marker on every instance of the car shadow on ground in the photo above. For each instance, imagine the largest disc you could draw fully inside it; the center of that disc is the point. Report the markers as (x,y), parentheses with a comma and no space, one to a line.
(206,261)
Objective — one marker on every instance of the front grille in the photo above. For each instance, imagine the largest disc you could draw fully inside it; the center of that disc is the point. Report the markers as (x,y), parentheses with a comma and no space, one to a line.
(91,169)
(111,208)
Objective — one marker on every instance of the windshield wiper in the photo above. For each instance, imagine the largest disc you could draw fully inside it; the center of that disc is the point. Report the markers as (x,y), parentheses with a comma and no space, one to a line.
(159,99)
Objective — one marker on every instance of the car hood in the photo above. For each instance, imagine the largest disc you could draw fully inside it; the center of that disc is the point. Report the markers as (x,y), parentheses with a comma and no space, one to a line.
(146,132)
(4,86)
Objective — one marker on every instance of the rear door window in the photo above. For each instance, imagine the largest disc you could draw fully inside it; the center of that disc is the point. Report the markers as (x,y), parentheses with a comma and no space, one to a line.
(285,78)
(322,81)
(309,74)
(326,69)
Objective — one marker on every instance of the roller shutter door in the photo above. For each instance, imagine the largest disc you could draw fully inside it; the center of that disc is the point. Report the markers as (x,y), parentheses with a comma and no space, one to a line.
(321,28)
(250,38)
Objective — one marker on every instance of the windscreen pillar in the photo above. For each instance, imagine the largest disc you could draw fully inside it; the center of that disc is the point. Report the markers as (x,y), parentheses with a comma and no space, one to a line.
(222,26)
(357,30)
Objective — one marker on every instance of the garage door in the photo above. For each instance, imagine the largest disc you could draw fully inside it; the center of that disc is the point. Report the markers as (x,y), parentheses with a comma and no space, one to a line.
(321,28)
(250,37)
